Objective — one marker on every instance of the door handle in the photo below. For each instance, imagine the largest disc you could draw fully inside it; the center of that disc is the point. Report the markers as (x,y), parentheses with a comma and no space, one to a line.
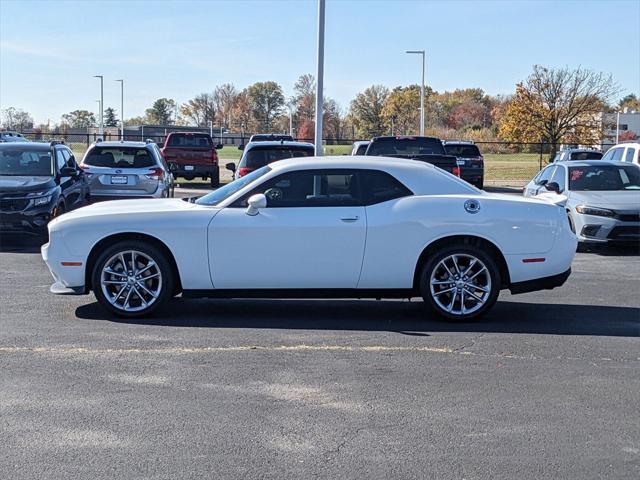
(350,219)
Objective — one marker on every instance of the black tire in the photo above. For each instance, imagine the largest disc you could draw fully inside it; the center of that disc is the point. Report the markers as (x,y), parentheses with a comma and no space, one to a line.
(466,253)
(480,184)
(165,288)
(59,210)
(215,179)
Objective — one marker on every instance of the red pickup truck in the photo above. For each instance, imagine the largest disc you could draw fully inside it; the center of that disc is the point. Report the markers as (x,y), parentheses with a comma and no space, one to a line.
(195,154)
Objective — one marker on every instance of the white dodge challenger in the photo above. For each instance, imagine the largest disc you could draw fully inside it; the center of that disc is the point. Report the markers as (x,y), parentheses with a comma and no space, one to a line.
(330,227)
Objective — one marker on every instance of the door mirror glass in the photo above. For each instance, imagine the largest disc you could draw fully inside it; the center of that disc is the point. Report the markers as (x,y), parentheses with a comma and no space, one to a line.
(552,187)
(231,167)
(256,202)
(173,167)
(240,147)
(219,146)
(68,172)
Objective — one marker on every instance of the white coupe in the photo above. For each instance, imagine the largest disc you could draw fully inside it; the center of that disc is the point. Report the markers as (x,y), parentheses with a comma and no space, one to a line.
(332,227)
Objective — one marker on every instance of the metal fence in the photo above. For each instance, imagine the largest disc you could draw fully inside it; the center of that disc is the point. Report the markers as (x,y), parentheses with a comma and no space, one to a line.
(505,162)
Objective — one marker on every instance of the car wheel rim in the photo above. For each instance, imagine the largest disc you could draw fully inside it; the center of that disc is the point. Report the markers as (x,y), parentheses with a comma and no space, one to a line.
(131,280)
(460,284)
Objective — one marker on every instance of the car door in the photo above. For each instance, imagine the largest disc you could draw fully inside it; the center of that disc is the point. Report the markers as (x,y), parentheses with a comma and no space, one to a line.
(73,186)
(310,235)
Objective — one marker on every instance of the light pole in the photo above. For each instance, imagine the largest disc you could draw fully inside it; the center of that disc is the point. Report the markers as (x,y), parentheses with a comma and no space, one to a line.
(101,130)
(617,126)
(121,108)
(319,78)
(421,52)
(211,129)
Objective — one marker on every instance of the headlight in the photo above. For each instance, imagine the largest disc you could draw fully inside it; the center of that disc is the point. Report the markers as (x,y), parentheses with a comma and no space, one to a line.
(41,200)
(599,212)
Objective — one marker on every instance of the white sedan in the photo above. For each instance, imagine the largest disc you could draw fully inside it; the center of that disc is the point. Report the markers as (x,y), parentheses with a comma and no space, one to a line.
(337,227)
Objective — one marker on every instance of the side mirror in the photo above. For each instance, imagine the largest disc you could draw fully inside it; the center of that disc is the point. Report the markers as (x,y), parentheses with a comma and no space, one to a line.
(231,167)
(256,202)
(240,147)
(552,187)
(219,146)
(542,182)
(173,167)
(68,172)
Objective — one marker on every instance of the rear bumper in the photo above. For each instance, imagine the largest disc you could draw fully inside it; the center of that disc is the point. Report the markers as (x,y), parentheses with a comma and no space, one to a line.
(545,283)
(198,170)
(472,175)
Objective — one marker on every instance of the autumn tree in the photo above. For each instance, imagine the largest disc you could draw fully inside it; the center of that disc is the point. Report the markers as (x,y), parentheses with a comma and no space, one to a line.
(557,105)
(16,119)
(402,110)
(225,97)
(162,112)
(631,102)
(366,111)
(200,110)
(110,119)
(79,119)
(304,98)
(266,102)
(242,113)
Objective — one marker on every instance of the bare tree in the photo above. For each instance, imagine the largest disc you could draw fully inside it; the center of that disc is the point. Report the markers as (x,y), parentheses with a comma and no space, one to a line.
(16,119)
(200,110)
(225,98)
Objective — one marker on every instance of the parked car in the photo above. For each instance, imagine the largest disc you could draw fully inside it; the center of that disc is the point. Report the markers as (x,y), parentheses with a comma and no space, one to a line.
(567,154)
(469,159)
(425,149)
(38,181)
(117,170)
(259,154)
(8,136)
(360,148)
(624,152)
(297,228)
(195,155)
(603,198)
(270,137)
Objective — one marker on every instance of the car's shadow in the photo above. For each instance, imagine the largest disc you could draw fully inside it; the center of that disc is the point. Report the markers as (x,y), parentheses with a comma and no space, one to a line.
(19,243)
(389,316)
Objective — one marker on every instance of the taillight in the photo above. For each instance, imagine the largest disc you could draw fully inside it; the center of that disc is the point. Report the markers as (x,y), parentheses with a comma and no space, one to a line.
(156,173)
(214,156)
(456,171)
(242,171)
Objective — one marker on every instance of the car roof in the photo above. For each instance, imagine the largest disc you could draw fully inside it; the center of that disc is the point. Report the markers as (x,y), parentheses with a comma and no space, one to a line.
(350,161)
(626,144)
(591,163)
(28,145)
(126,143)
(458,142)
(278,143)
(583,149)
(361,142)
(403,137)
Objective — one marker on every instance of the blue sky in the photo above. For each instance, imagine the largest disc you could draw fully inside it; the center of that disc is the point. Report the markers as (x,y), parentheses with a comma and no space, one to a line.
(49,51)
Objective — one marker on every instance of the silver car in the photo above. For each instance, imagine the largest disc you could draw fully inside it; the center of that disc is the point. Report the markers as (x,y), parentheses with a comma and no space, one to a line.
(603,198)
(127,170)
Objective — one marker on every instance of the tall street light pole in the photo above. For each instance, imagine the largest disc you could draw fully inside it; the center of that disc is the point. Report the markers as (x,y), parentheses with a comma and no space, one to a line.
(101,130)
(121,108)
(319,78)
(421,52)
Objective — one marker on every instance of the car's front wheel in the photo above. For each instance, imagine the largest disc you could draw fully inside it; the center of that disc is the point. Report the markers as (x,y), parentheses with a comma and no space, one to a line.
(460,282)
(132,278)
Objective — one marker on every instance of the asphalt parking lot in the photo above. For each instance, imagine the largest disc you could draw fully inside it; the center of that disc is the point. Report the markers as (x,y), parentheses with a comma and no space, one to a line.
(546,386)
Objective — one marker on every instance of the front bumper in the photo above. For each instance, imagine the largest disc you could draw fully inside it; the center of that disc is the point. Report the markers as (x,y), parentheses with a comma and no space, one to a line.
(595,229)
(68,279)
(31,221)
(545,283)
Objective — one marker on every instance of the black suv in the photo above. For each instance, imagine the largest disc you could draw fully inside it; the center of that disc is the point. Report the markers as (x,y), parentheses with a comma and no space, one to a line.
(38,181)
(469,159)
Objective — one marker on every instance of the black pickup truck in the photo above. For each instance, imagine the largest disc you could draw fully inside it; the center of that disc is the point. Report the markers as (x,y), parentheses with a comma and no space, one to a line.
(424,149)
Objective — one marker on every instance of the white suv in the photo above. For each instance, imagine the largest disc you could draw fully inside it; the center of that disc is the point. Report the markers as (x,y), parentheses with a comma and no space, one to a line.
(624,152)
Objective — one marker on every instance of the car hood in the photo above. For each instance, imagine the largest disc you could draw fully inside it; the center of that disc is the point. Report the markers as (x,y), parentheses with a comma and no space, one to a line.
(616,200)
(25,183)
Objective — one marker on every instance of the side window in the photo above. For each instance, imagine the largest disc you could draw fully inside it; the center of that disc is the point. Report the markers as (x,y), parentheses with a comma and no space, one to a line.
(630,153)
(60,160)
(69,159)
(309,188)
(558,177)
(378,187)
(545,175)
(616,156)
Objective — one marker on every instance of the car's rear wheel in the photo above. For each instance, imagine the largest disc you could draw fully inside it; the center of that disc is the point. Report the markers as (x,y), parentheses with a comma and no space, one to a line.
(460,283)
(132,278)
(215,179)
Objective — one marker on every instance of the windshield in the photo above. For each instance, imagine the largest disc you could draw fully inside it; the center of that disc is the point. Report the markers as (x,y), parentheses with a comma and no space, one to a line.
(604,178)
(119,157)
(462,151)
(586,155)
(21,160)
(222,193)
(260,156)
(406,146)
